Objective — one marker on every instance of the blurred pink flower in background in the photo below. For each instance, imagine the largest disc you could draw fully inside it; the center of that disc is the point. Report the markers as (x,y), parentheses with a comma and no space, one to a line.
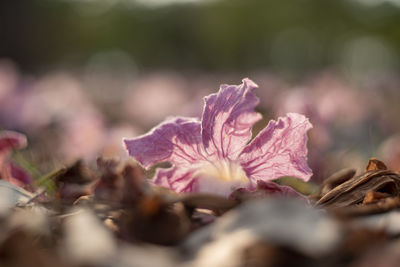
(335,108)
(328,102)
(54,98)
(327,98)
(272,87)
(113,145)
(213,155)
(153,97)
(56,105)
(82,137)
(336,100)
(12,95)
(300,100)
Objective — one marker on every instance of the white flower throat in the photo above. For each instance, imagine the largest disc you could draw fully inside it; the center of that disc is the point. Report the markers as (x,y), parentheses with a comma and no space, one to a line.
(224,170)
(221,177)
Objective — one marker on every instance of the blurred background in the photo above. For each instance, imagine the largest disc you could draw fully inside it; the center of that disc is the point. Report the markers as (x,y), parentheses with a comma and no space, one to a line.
(76,76)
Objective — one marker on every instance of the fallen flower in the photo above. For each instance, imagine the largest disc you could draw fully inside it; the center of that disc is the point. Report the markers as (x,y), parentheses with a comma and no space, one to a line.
(10,171)
(213,155)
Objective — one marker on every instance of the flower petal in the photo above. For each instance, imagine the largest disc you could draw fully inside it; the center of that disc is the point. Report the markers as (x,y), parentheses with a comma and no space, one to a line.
(177,140)
(176,179)
(272,188)
(10,140)
(266,189)
(279,150)
(227,119)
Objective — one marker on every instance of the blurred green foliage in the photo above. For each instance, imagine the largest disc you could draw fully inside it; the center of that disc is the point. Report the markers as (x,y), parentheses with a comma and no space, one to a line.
(240,35)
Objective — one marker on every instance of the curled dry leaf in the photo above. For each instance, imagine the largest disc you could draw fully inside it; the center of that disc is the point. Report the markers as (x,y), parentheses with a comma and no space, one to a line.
(336,179)
(332,181)
(377,186)
(354,190)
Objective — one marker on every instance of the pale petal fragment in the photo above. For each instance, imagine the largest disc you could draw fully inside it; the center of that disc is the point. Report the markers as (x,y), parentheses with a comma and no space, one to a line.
(227,119)
(177,140)
(176,179)
(279,150)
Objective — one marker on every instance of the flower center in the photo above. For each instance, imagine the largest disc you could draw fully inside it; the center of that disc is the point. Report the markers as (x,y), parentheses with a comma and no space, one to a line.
(221,177)
(225,171)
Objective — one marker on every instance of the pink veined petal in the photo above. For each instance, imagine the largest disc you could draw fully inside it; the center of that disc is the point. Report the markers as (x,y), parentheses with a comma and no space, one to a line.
(276,189)
(177,140)
(177,179)
(279,150)
(10,140)
(266,188)
(227,119)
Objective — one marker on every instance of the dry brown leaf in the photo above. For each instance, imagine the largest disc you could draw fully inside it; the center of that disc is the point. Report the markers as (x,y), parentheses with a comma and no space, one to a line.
(375,165)
(354,190)
(342,190)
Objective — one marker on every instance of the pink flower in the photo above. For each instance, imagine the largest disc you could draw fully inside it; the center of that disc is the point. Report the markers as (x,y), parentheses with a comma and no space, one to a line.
(214,155)
(9,171)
